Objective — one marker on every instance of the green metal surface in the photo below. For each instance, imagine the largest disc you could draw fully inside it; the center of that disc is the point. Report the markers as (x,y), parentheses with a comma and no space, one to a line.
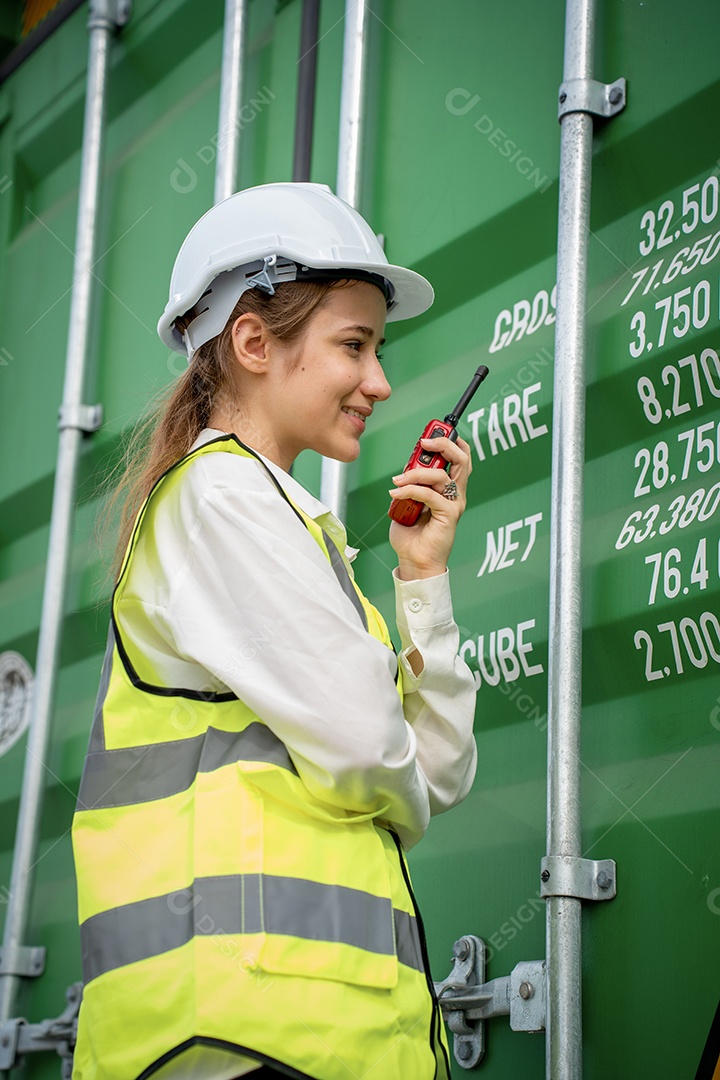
(460,163)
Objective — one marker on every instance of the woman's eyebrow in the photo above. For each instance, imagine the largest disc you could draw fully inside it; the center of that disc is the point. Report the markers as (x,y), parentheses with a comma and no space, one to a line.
(367,330)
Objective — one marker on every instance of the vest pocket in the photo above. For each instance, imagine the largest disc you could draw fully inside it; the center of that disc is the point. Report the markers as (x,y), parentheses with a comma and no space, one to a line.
(327,932)
(324,906)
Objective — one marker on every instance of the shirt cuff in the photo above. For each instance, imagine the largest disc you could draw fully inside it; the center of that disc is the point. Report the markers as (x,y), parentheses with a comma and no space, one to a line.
(423,603)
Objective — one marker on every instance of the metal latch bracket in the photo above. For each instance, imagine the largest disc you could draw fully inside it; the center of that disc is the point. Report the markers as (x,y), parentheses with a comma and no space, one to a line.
(468,1001)
(18,1038)
(25,960)
(590,96)
(584,879)
(86,418)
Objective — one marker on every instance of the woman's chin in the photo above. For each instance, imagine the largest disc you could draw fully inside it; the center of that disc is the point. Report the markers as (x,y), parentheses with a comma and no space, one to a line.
(345,454)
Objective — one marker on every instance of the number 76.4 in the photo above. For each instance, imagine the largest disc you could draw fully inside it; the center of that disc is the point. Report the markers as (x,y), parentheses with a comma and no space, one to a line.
(667,572)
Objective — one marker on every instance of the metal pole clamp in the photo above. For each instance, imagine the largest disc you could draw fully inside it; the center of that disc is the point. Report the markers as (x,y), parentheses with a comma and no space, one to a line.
(589,96)
(583,879)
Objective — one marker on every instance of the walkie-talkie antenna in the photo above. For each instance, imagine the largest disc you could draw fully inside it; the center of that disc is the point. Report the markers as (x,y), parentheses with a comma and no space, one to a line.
(454,416)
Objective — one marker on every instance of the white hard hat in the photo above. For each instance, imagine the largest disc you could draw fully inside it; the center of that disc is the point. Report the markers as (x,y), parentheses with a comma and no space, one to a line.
(263,236)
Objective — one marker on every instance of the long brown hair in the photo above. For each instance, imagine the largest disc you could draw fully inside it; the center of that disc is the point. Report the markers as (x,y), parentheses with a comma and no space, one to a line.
(181,411)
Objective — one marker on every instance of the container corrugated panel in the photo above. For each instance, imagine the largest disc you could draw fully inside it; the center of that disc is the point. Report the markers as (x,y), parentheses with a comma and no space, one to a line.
(460,177)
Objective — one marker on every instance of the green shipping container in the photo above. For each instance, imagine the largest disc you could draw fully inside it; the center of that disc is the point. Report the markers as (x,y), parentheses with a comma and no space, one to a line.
(460,176)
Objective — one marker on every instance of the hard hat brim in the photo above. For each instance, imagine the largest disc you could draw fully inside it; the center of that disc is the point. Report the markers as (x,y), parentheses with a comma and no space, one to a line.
(413,293)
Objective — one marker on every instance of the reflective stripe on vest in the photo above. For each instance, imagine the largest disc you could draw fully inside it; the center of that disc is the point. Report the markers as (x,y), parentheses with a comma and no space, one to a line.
(344,578)
(200,853)
(136,774)
(247,904)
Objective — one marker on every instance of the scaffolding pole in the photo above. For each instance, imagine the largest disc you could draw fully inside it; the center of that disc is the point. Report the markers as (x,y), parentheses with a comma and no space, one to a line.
(564,1001)
(231,79)
(333,480)
(75,419)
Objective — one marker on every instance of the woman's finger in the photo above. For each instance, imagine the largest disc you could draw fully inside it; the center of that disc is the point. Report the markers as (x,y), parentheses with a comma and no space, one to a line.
(430,497)
(467,451)
(456,453)
(459,461)
(436,478)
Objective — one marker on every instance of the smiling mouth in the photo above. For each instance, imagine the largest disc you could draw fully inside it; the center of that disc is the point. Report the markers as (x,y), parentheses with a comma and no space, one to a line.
(355,412)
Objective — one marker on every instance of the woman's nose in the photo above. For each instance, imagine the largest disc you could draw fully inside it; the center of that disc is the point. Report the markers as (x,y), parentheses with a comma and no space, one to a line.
(375,383)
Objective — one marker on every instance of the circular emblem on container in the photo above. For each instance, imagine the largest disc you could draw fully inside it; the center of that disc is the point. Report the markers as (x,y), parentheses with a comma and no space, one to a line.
(16,686)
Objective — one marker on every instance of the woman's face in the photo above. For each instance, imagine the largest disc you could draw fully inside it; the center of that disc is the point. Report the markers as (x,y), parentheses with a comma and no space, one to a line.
(319,395)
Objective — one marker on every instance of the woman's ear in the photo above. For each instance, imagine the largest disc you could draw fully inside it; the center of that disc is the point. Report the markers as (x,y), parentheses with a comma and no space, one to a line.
(250,338)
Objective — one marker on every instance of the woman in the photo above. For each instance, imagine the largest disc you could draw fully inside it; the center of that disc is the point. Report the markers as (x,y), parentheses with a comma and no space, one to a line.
(260,757)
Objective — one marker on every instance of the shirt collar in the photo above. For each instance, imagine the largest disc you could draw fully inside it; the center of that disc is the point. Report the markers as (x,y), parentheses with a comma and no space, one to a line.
(296,493)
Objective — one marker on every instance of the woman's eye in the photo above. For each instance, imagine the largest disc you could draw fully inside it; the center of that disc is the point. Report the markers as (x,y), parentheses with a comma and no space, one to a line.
(357,345)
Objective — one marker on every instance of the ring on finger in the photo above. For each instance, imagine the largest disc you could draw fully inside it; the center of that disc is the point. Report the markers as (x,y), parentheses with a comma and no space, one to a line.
(450,491)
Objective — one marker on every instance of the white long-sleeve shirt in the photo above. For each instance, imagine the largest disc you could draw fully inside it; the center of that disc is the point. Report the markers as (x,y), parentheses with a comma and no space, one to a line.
(232,592)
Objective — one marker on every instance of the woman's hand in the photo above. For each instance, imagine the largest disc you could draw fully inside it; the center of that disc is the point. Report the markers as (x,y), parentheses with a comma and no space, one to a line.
(423,548)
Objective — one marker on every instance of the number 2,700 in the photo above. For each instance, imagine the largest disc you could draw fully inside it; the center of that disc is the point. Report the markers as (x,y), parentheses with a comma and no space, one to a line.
(700,643)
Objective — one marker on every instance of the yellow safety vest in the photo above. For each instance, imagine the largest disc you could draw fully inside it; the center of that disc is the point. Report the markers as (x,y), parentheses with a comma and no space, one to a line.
(221,904)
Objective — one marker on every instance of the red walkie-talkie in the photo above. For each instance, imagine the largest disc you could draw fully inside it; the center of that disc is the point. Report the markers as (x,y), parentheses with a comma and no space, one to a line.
(407,511)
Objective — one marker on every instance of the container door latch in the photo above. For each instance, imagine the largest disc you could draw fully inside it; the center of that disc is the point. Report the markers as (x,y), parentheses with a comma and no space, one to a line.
(18,1038)
(467,1000)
